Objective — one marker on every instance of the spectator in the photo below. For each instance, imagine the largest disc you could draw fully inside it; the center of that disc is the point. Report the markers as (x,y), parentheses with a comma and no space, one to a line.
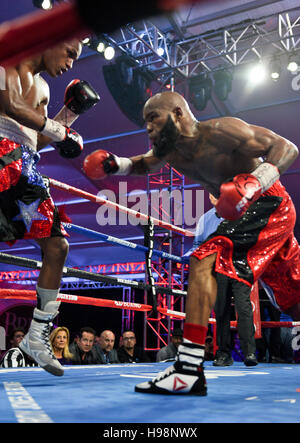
(169,352)
(129,352)
(209,348)
(82,350)
(269,347)
(105,348)
(228,288)
(287,352)
(97,339)
(16,337)
(14,357)
(60,339)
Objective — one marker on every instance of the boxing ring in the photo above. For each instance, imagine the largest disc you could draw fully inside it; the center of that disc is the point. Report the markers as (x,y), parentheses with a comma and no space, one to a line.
(105,393)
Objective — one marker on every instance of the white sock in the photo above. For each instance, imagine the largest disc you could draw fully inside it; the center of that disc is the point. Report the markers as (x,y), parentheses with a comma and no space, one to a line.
(44,296)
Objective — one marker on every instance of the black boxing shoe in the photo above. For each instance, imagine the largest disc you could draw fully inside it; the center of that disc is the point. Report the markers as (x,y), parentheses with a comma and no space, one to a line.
(176,380)
(185,377)
(250,360)
(223,359)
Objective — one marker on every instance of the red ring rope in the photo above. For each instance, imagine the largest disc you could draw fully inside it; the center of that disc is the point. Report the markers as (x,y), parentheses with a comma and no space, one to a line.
(100,201)
(100,302)
(34,33)
(264,324)
(77,299)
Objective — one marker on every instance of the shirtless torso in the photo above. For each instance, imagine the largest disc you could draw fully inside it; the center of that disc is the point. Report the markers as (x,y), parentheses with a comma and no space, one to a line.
(26,95)
(214,151)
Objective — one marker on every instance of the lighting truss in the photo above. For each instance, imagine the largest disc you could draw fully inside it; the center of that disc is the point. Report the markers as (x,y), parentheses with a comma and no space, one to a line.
(228,47)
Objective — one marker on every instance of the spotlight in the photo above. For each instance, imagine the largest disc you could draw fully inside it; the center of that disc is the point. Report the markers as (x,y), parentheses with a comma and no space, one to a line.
(223,84)
(86,41)
(43,4)
(200,91)
(100,47)
(275,69)
(293,63)
(109,53)
(257,74)
(129,85)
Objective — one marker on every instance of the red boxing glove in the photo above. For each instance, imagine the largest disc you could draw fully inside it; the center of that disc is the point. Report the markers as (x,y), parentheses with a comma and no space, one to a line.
(93,164)
(101,163)
(237,196)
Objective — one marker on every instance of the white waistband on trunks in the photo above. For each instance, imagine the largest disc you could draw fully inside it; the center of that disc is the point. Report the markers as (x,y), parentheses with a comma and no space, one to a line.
(17,133)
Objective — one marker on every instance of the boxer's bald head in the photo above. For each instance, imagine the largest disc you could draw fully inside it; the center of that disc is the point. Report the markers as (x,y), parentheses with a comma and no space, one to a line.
(168,109)
(169,101)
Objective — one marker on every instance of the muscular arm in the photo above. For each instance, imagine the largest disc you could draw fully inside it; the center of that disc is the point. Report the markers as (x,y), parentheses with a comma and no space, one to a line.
(15,106)
(278,150)
(145,164)
(252,142)
(255,141)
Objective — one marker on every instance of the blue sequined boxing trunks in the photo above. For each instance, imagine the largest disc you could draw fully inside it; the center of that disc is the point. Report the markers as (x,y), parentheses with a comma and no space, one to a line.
(27,210)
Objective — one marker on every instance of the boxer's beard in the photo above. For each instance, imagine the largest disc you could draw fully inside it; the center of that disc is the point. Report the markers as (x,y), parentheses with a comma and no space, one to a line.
(167,139)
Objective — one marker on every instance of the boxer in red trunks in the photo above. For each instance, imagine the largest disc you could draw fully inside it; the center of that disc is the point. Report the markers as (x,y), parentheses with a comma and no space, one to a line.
(26,207)
(239,164)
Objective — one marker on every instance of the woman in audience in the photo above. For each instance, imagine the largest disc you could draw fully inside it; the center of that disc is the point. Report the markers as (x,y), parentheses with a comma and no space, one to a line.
(59,339)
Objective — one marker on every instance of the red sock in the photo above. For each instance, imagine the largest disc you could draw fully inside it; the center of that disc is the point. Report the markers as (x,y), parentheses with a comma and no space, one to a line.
(195,333)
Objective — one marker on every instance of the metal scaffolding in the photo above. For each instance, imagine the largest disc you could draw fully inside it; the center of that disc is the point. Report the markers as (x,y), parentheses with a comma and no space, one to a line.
(157,327)
(166,56)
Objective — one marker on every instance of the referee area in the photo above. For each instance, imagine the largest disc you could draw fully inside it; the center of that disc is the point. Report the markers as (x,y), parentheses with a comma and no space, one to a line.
(267,393)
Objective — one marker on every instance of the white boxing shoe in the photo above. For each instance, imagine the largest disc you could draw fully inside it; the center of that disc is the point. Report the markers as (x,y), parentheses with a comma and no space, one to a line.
(36,342)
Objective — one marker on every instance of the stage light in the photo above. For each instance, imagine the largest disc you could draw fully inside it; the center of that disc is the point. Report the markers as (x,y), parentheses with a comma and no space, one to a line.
(43,4)
(257,74)
(85,41)
(275,69)
(222,84)
(160,51)
(293,63)
(109,53)
(129,85)
(200,91)
(101,47)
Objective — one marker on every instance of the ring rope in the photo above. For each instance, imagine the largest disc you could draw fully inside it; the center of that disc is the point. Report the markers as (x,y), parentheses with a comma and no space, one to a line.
(71,272)
(148,241)
(233,323)
(33,33)
(77,299)
(127,244)
(100,200)
(20,294)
